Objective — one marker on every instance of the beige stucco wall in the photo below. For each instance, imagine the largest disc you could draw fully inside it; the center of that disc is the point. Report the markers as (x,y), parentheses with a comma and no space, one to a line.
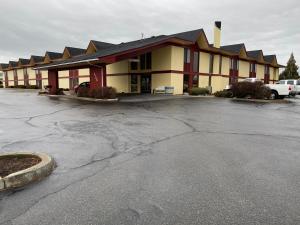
(118,67)
(84,75)
(31,76)
(244,68)
(121,83)
(219,83)
(20,77)
(84,72)
(216,69)
(44,78)
(204,62)
(158,80)
(225,65)
(177,58)
(260,71)
(63,79)
(203,81)
(177,83)
(161,59)
(10,76)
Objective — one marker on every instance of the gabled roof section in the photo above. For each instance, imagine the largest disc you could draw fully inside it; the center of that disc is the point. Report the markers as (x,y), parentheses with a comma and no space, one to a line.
(3,66)
(12,64)
(95,46)
(257,55)
(236,48)
(270,59)
(52,56)
(23,62)
(35,60)
(70,52)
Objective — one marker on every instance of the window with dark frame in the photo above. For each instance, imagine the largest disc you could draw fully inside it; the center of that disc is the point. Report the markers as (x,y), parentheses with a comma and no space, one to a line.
(267,70)
(143,61)
(196,62)
(196,80)
(134,64)
(187,55)
(134,83)
(211,63)
(220,65)
(146,61)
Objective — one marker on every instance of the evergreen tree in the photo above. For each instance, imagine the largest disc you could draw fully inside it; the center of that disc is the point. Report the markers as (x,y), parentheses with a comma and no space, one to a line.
(291,70)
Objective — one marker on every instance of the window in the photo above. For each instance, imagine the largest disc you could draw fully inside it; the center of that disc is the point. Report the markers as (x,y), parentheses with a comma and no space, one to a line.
(196,62)
(290,82)
(134,83)
(146,61)
(134,64)
(196,80)
(211,64)
(220,65)
(187,55)
(234,64)
(267,70)
(252,67)
(37,72)
(143,61)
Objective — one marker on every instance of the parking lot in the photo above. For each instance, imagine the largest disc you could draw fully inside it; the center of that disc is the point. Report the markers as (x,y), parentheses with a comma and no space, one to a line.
(175,161)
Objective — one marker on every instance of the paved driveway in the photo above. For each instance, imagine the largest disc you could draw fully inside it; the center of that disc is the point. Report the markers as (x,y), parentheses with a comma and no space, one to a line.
(181,161)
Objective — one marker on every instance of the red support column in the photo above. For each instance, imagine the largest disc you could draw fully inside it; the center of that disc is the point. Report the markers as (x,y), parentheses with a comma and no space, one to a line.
(53,81)
(97,77)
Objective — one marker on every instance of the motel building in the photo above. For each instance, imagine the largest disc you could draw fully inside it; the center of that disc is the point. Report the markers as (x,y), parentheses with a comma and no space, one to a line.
(180,61)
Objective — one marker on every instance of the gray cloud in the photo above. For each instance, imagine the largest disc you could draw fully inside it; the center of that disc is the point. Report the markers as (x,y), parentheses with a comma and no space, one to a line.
(33,26)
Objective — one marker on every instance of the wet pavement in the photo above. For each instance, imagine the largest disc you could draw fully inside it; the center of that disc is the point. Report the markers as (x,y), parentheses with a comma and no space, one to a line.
(177,161)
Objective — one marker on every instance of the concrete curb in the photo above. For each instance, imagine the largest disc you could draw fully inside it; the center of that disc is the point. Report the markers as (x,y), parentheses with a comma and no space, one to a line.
(82,98)
(277,101)
(32,174)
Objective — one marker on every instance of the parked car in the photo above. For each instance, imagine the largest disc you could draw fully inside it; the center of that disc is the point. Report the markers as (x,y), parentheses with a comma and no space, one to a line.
(280,90)
(292,82)
(82,85)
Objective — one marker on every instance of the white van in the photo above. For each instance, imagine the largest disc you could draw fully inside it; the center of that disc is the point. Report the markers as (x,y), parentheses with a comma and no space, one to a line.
(296,83)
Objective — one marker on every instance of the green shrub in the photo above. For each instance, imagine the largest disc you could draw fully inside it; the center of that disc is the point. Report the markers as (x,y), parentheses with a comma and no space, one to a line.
(103,93)
(224,94)
(60,91)
(199,91)
(32,87)
(1,85)
(256,90)
(21,86)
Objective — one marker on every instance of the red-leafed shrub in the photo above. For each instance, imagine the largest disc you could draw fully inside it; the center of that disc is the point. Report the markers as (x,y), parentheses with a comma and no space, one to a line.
(255,90)
(103,93)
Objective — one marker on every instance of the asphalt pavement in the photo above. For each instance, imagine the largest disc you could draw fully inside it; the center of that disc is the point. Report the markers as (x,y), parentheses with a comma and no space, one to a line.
(175,161)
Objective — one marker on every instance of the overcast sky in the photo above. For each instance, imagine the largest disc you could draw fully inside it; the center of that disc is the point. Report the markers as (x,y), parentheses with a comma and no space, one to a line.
(33,26)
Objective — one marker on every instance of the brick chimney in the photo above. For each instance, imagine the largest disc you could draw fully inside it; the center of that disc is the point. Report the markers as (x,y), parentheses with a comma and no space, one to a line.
(217,34)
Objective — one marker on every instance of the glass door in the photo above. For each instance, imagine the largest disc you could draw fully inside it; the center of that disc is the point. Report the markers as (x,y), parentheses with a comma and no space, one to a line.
(146,84)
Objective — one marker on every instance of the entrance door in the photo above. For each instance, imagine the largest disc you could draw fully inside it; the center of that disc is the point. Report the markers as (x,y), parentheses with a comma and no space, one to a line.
(186,80)
(146,84)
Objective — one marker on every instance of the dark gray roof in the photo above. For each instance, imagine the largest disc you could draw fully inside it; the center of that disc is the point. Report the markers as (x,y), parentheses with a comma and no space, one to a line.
(13,63)
(114,49)
(24,61)
(75,51)
(4,65)
(269,58)
(54,55)
(254,54)
(38,59)
(101,45)
(236,48)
